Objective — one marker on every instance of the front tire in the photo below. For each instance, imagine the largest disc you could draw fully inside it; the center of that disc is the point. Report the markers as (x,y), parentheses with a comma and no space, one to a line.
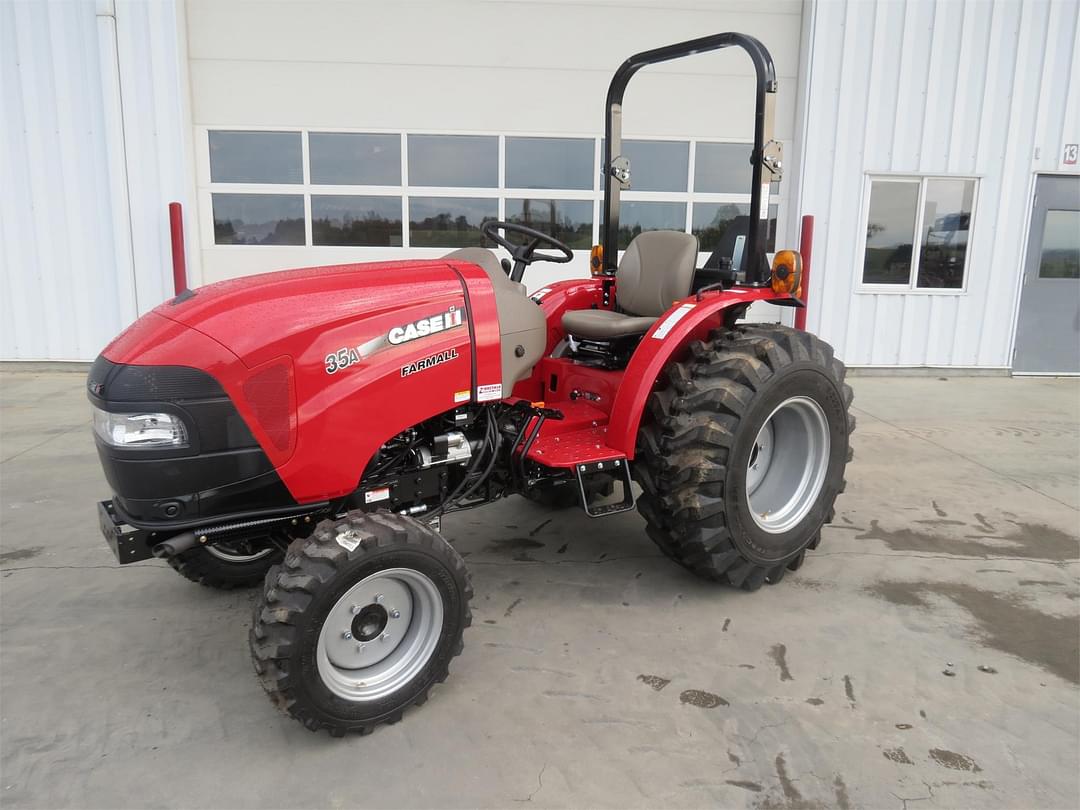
(360,621)
(228,565)
(743,451)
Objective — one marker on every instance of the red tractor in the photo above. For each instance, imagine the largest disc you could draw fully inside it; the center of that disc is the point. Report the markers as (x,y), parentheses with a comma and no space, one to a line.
(308,429)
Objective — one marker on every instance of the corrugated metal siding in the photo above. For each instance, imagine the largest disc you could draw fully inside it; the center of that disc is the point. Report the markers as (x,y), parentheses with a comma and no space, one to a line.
(924,87)
(79,139)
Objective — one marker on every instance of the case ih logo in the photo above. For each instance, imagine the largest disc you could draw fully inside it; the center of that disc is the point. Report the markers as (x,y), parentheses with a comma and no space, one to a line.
(426,326)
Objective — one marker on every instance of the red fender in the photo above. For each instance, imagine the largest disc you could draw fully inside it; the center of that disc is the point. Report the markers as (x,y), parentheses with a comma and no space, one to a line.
(687,320)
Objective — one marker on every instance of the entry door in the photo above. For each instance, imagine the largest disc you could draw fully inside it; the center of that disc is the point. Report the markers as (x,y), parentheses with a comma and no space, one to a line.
(1048,329)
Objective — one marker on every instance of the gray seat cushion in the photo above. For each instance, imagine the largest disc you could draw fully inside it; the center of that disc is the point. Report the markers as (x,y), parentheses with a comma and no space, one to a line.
(603,324)
(656,270)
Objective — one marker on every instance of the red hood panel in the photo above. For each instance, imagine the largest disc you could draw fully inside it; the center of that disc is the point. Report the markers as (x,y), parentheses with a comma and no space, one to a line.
(259,317)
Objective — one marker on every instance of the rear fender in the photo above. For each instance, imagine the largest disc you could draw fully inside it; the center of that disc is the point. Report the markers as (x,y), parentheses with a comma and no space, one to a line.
(668,339)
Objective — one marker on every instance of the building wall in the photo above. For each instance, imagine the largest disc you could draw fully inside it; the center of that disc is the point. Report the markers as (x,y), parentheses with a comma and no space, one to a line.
(952,87)
(91,149)
(460,66)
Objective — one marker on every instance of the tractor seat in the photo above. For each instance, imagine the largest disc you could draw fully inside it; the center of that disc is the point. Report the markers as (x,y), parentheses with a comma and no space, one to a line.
(656,270)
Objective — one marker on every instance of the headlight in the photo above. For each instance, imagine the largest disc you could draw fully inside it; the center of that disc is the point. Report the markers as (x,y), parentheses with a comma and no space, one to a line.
(140,429)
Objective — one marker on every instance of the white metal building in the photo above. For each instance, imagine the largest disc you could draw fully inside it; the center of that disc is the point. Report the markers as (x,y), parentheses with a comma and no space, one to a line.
(934,141)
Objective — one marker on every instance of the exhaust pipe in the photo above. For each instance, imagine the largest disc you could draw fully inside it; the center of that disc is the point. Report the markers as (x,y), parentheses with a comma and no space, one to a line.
(176,545)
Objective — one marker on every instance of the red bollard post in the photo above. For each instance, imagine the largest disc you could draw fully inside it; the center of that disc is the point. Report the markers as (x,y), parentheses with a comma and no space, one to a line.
(806,248)
(179,263)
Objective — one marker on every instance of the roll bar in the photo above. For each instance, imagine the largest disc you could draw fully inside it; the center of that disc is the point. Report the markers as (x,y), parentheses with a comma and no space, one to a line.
(766,157)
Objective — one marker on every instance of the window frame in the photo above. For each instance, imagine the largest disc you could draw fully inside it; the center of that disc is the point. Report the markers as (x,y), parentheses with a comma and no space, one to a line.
(861,287)
(205,188)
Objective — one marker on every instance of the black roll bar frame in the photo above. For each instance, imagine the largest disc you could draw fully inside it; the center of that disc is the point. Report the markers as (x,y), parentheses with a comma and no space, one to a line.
(766,157)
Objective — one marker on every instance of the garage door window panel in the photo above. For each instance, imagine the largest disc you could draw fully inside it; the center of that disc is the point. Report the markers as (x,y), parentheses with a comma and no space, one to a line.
(255,157)
(553,163)
(449,222)
(258,219)
(637,216)
(356,220)
(724,168)
(718,225)
(569,221)
(454,161)
(354,158)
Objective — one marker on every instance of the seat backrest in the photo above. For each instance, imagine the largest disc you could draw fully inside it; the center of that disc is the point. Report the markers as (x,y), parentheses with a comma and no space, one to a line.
(656,270)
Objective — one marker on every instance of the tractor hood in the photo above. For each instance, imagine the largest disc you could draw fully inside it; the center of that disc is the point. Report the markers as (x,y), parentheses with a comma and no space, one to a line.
(267,315)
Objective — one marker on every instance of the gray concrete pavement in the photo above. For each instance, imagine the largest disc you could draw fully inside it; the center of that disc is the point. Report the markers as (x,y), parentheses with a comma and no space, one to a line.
(596,674)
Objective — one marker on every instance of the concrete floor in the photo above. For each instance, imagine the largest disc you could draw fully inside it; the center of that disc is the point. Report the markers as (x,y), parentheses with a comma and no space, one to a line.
(596,674)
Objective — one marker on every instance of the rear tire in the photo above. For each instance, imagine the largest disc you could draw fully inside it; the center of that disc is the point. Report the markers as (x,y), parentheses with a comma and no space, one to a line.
(742,453)
(360,621)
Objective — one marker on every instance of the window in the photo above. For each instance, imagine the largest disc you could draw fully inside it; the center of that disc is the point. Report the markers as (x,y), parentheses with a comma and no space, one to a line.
(718,225)
(724,168)
(449,222)
(636,217)
(549,163)
(389,190)
(918,223)
(348,220)
(657,165)
(355,159)
(1061,245)
(258,219)
(464,161)
(570,221)
(255,157)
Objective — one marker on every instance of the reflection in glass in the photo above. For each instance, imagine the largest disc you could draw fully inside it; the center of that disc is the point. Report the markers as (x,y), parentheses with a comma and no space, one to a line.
(255,157)
(471,161)
(890,232)
(258,219)
(549,163)
(635,217)
(569,221)
(946,219)
(717,225)
(361,159)
(656,165)
(724,168)
(342,220)
(449,222)
(1061,245)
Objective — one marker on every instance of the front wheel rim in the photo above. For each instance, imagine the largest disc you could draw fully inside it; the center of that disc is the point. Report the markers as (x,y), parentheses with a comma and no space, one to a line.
(379,635)
(788,465)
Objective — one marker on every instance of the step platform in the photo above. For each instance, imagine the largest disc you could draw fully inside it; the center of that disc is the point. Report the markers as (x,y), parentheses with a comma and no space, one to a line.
(578,442)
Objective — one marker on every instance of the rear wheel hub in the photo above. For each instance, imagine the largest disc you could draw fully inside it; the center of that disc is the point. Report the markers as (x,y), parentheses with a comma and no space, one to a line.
(788,464)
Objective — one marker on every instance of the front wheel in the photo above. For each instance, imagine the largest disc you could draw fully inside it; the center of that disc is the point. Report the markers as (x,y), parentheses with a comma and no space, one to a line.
(228,564)
(360,621)
(743,451)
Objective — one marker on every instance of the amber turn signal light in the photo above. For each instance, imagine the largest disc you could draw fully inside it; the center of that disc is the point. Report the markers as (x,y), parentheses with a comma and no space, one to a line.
(787,273)
(596,260)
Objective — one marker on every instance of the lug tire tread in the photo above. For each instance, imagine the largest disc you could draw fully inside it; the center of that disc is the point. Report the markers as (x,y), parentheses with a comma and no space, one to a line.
(690,426)
(310,565)
(203,568)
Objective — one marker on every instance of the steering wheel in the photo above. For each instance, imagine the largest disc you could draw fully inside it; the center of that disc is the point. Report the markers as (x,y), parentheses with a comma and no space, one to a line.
(525,253)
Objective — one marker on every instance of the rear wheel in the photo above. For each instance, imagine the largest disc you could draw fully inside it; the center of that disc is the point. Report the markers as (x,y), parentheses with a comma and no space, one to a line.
(742,453)
(228,564)
(360,621)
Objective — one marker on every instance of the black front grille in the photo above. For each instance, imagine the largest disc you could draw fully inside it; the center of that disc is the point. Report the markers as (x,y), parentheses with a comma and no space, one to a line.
(120,383)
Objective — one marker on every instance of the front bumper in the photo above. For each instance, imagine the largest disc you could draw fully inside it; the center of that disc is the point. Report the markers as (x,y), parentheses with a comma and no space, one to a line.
(128,543)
